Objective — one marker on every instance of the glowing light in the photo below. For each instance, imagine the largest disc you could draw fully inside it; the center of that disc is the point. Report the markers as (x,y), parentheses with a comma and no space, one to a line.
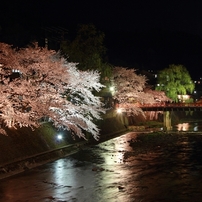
(119,110)
(183,97)
(111,88)
(183,127)
(59,137)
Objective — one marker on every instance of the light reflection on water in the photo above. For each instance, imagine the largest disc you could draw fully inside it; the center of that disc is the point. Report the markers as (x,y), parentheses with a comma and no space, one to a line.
(189,127)
(183,126)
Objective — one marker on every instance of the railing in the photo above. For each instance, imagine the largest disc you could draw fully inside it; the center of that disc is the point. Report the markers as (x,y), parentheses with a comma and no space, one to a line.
(178,105)
(172,107)
(163,106)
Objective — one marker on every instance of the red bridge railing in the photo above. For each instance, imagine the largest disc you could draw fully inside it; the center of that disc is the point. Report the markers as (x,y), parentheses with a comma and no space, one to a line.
(163,106)
(178,105)
(171,107)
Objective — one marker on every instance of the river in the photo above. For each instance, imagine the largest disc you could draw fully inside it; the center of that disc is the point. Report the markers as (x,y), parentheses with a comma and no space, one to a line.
(101,173)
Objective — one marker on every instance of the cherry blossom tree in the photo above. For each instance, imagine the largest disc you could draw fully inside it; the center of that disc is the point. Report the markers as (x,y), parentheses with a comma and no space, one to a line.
(37,84)
(156,96)
(130,90)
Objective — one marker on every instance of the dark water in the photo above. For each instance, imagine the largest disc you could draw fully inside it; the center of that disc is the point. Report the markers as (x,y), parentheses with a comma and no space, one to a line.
(102,174)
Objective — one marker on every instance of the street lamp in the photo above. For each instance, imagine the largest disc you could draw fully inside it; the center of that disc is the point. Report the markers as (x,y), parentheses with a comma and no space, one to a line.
(111,88)
(59,137)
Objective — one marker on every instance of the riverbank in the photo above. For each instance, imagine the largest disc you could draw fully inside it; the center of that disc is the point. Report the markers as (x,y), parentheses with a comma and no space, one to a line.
(24,149)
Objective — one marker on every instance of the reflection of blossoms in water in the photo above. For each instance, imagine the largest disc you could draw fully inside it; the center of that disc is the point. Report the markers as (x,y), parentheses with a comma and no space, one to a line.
(183,126)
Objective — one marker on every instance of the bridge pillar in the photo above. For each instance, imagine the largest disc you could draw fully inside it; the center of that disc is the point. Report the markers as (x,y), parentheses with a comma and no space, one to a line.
(167,121)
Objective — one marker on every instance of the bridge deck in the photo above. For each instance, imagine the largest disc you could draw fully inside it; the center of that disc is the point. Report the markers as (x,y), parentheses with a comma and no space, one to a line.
(172,107)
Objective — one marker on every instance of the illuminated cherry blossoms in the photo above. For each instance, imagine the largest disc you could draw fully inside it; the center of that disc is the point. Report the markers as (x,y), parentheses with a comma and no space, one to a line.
(37,84)
(130,91)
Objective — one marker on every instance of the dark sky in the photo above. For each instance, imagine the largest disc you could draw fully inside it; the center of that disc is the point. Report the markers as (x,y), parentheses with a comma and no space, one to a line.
(142,34)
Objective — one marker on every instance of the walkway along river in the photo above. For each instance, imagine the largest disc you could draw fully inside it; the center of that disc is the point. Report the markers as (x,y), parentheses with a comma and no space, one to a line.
(132,167)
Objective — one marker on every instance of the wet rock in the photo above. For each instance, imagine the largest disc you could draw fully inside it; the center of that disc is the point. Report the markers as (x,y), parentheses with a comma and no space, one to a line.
(97,169)
(110,170)
(50,198)
(120,187)
(94,169)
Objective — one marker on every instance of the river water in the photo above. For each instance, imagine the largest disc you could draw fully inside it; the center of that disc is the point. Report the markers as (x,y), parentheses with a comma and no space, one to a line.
(101,173)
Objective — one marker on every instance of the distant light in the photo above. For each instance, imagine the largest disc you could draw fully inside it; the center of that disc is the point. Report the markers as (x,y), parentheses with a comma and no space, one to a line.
(196,127)
(15,70)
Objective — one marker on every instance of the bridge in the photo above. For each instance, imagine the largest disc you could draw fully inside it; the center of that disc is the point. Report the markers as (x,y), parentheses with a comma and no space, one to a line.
(172,107)
(166,108)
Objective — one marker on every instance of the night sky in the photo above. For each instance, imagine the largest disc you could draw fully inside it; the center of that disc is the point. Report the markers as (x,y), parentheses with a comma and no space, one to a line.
(143,34)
